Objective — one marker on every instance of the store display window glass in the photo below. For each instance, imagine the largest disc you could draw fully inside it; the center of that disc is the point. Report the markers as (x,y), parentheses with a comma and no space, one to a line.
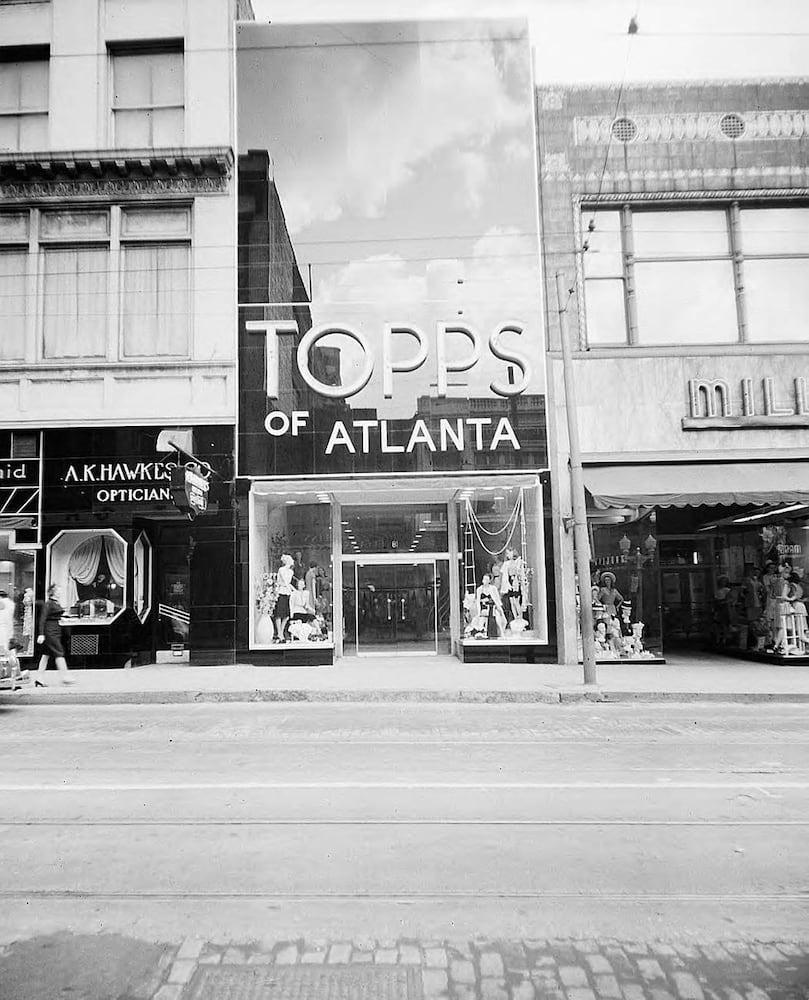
(290,570)
(17,608)
(624,586)
(142,577)
(502,565)
(89,567)
(747,571)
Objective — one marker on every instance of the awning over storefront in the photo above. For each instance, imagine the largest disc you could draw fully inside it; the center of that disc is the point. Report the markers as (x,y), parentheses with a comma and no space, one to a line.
(722,483)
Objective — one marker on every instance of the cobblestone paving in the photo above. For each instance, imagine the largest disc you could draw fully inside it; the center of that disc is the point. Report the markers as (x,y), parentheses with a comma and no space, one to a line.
(559,969)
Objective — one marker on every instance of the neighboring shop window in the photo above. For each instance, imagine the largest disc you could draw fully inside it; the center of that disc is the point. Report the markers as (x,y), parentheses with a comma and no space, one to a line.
(76,256)
(17,611)
(142,577)
(499,546)
(756,591)
(24,100)
(624,587)
(148,99)
(290,549)
(746,270)
(89,567)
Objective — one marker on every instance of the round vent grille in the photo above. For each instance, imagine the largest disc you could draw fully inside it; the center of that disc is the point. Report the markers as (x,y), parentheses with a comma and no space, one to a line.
(624,129)
(732,125)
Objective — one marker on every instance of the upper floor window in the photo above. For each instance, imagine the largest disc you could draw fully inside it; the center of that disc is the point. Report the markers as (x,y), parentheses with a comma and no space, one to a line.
(148,97)
(23,99)
(106,283)
(717,275)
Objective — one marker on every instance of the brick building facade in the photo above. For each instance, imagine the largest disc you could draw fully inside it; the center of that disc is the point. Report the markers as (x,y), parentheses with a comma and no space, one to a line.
(678,218)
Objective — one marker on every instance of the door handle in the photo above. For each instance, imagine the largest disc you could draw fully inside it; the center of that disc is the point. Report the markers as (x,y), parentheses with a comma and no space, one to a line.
(389,602)
(403,608)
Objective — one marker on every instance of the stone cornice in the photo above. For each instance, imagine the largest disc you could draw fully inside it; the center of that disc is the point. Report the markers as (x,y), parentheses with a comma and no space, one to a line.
(119,173)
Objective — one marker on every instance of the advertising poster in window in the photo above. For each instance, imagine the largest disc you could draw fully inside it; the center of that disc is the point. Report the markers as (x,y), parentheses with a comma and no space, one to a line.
(389,274)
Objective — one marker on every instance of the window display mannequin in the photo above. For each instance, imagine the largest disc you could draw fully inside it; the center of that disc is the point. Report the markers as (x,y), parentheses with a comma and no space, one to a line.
(311,579)
(301,606)
(780,606)
(28,621)
(721,597)
(795,598)
(490,608)
(511,579)
(625,618)
(284,590)
(602,639)
(608,595)
(752,597)
(6,620)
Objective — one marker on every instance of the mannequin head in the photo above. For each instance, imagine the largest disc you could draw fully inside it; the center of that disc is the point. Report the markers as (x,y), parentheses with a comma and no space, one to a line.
(608,580)
(486,580)
(287,560)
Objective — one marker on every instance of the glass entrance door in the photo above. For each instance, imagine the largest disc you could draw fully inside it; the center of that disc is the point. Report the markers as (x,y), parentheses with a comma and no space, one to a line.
(396,608)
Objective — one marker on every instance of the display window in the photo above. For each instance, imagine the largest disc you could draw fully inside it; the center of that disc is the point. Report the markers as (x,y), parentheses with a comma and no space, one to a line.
(142,577)
(17,609)
(624,586)
(291,569)
(89,566)
(734,579)
(502,565)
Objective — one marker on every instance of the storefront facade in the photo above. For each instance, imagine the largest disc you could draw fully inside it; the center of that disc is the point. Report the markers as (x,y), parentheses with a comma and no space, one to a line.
(691,243)
(391,436)
(94,515)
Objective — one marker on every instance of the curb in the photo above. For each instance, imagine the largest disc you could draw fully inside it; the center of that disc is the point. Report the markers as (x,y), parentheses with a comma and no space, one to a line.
(545,696)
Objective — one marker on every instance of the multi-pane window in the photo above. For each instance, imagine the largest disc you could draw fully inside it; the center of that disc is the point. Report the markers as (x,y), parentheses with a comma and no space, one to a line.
(111,283)
(74,268)
(13,280)
(23,99)
(156,282)
(690,276)
(148,98)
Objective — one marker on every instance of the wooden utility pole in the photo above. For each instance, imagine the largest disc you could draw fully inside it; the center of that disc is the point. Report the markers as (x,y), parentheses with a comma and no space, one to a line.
(581,539)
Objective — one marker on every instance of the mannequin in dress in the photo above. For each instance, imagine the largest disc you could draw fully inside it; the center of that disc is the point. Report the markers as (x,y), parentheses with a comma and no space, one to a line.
(490,607)
(609,596)
(511,576)
(283,589)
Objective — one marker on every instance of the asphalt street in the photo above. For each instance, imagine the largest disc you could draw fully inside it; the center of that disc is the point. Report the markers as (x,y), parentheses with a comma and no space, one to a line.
(257,821)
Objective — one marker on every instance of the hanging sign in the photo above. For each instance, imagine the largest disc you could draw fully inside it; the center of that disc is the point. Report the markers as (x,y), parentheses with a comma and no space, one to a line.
(189,491)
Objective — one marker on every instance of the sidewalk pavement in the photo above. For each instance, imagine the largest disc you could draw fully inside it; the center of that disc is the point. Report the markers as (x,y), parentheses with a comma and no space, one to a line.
(428,679)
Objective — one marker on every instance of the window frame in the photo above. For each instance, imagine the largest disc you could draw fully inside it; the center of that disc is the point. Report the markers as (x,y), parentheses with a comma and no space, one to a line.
(118,50)
(20,54)
(627,208)
(33,246)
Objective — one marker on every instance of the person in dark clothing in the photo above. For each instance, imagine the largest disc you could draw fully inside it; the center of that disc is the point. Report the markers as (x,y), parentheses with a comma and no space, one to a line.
(49,637)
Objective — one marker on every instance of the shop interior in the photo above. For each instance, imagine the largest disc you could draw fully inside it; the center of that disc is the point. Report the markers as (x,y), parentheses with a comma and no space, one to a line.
(707,578)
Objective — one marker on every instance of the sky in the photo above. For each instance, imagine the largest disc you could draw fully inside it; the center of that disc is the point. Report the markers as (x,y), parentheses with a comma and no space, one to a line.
(586,40)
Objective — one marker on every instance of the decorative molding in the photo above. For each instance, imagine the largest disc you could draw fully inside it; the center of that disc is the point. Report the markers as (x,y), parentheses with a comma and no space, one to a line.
(697,195)
(630,86)
(121,189)
(696,127)
(116,174)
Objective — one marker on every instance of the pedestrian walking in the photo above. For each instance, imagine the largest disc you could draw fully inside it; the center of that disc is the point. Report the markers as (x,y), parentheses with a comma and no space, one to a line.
(50,637)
